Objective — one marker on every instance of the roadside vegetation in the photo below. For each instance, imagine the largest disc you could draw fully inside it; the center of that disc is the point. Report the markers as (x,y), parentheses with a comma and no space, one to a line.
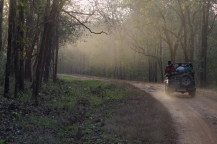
(85,111)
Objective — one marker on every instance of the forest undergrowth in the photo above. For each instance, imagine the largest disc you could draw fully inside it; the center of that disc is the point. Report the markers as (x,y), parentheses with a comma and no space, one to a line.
(85,111)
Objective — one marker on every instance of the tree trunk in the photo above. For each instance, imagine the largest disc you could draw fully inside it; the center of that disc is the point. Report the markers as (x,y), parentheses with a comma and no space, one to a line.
(149,71)
(56,6)
(49,55)
(1,19)
(11,30)
(30,34)
(185,32)
(16,64)
(21,47)
(205,17)
(172,48)
(173,55)
(56,57)
(160,62)
(191,35)
(47,63)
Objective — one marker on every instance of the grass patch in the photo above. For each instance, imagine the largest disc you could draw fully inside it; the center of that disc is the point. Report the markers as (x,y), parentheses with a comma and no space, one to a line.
(85,111)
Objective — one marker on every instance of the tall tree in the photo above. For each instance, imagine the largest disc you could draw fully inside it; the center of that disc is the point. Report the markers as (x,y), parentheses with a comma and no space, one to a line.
(1,19)
(20,45)
(41,56)
(206,5)
(55,53)
(11,42)
(32,36)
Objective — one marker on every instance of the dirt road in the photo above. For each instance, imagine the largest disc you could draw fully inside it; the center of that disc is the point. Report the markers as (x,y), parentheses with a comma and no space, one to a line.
(195,118)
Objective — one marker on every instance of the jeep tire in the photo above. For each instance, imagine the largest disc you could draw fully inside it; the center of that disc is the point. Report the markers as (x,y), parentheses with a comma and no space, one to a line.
(186,80)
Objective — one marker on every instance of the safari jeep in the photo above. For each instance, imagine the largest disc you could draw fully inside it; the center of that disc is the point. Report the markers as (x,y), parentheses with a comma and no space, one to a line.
(180,81)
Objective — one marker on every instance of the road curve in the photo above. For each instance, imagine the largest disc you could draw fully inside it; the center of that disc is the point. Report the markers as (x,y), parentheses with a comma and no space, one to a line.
(195,118)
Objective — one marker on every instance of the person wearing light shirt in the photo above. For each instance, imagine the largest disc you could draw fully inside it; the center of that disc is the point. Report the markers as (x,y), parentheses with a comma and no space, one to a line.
(180,67)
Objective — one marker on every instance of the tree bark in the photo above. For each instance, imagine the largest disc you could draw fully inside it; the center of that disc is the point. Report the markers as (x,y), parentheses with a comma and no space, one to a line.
(159,60)
(30,34)
(205,17)
(49,23)
(11,30)
(1,19)
(56,56)
(149,71)
(21,47)
(48,60)
(191,35)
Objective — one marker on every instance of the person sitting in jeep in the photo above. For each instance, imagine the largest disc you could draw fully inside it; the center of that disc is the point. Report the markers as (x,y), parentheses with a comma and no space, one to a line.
(189,68)
(180,79)
(169,68)
(180,67)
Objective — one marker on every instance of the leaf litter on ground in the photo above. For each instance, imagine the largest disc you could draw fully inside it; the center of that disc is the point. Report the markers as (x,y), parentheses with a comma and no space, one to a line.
(86,111)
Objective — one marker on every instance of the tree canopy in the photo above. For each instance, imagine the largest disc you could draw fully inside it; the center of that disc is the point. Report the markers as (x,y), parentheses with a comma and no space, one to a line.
(122,39)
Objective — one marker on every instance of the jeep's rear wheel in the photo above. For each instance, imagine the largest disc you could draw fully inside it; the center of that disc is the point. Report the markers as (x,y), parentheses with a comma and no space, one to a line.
(186,80)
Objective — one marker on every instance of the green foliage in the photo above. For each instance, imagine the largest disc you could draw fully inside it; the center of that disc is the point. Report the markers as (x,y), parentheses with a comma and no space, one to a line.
(62,107)
(70,111)
(94,92)
(1,141)
(22,4)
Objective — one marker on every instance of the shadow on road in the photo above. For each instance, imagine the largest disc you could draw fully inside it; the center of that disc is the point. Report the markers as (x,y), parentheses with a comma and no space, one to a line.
(184,96)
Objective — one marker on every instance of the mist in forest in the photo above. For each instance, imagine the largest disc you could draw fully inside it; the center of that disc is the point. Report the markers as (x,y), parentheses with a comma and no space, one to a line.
(112,56)
(141,39)
(102,55)
(130,40)
(108,56)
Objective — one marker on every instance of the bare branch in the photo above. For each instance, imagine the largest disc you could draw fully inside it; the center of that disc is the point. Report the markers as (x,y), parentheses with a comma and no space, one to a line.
(84,24)
(80,13)
(137,48)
